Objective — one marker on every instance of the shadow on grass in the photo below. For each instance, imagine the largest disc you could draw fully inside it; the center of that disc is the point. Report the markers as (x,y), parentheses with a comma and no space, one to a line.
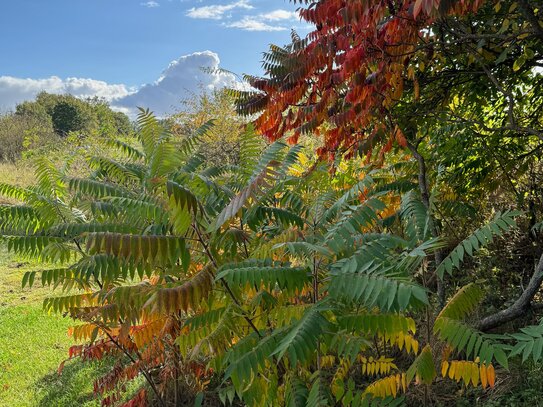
(73,387)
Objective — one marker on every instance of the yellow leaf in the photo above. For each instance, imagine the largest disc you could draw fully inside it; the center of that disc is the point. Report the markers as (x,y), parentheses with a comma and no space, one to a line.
(444,368)
(458,371)
(452,368)
(474,374)
(466,372)
(394,387)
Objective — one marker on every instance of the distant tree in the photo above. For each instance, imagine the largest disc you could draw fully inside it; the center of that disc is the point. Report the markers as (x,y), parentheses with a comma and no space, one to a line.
(36,110)
(37,124)
(19,132)
(221,144)
(109,121)
(68,113)
(68,116)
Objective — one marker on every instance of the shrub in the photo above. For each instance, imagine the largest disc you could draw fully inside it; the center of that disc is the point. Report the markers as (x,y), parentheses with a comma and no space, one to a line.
(263,283)
(19,132)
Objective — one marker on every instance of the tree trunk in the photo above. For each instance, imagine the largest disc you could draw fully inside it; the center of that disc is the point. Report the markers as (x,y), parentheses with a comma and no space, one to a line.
(425,196)
(520,306)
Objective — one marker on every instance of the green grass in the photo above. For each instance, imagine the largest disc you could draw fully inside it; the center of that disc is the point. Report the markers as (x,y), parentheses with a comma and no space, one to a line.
(20,174)
(33,344)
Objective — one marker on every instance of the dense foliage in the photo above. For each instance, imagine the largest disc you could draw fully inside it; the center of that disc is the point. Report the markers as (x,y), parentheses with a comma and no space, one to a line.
(382,72)
(70,114)
(265,283)
(225,269)
(220,144)
(43,123)
(20,133)
(457,84)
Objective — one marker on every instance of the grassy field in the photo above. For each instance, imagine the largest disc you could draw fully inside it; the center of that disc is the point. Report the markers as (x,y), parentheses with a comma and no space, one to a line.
(32,345)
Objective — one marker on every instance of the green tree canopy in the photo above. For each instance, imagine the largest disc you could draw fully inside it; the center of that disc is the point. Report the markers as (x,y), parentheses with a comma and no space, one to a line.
(68,113)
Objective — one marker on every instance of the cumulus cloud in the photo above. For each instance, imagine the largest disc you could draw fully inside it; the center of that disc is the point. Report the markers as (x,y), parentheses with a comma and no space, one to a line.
(261,22)
(277,15)
(16,90)
(217,11)
(150,4)
(183,78)
(254,24)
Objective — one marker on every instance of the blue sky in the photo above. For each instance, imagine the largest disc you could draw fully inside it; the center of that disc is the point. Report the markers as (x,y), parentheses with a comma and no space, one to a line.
(130,43)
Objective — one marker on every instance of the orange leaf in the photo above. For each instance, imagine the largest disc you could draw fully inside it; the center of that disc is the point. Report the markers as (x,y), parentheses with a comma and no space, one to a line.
(400,138)
(491,375)
(61,368)
(484,377)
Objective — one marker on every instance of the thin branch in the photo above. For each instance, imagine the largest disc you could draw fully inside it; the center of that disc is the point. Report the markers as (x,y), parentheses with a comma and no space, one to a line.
(223,281)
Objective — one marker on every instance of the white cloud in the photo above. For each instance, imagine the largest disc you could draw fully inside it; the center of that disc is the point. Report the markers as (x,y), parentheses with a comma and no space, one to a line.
(16,90)
(254,24)
(150,4)
(183,78)
(277,15)
(217,11)
(262,22)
